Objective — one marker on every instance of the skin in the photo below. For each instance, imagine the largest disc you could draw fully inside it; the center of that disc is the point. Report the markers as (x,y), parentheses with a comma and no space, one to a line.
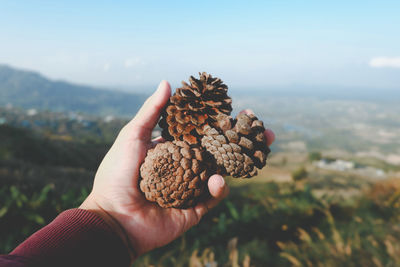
(116,196)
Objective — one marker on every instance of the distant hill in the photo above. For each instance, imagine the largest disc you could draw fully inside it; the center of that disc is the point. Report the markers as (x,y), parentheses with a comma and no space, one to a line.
(29,89)
(323,92)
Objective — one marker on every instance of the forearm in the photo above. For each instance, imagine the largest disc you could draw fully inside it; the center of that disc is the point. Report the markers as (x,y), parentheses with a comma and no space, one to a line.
(76,237)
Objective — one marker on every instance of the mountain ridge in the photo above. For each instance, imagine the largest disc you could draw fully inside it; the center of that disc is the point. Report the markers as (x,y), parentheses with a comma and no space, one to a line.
(30,89)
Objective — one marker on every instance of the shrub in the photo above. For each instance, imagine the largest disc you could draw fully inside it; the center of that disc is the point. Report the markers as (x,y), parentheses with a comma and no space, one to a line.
(299,174)
(313,156)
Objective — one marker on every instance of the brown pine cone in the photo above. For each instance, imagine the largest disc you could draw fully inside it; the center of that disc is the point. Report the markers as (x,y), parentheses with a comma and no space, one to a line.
(174,174)
(193,106)
(238,146)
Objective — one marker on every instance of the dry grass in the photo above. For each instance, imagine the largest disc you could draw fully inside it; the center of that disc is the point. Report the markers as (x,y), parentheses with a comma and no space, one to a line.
(207,257)
(386,193)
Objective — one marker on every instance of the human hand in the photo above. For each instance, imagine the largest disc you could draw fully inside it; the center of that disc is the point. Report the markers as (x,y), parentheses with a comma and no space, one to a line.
(116,196)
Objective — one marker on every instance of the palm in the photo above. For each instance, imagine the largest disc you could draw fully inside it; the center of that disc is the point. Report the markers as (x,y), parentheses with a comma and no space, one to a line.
(116,184)
(147,225)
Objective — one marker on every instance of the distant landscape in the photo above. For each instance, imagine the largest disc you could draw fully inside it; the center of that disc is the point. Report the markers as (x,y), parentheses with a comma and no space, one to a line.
(328,196)
(29,89)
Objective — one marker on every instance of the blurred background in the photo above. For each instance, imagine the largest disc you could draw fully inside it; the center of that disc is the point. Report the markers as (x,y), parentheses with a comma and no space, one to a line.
(324,76)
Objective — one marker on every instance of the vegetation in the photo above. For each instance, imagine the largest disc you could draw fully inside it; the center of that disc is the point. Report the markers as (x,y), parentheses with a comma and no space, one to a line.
(18,144)
(31,90)
(265,223)
(269,225)
(315,155)
(23,213)
(300,174)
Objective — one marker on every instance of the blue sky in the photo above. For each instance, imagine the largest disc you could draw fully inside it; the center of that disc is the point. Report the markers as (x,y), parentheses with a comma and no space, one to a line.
(247,43)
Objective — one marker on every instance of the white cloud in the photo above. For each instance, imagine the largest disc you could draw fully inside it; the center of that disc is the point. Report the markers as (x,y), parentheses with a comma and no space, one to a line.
(106,67)
(385,62)
(131,62)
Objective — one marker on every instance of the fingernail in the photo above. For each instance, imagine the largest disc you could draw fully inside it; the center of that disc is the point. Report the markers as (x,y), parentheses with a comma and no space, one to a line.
(249,111)
(160,85)
(221,181)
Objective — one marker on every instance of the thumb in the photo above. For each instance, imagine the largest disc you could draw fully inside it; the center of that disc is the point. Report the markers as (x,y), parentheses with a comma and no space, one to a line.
(148,115)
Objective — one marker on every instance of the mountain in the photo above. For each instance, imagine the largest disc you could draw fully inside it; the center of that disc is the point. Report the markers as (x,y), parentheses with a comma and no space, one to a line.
(28,89)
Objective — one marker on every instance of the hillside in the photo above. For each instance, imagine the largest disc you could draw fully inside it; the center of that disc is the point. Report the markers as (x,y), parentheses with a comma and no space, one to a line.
(48,161)
(29,89)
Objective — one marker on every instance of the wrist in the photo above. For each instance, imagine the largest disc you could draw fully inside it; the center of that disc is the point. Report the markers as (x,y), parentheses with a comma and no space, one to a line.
(91,205)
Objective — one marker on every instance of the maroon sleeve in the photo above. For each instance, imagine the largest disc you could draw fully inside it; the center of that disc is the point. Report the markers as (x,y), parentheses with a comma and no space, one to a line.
(76,237)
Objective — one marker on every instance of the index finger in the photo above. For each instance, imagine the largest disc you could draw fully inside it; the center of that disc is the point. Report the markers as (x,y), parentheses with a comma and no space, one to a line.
(148,115)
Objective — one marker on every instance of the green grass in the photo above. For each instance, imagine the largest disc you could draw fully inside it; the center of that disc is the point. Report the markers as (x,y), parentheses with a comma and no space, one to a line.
(259,224)
(271,224)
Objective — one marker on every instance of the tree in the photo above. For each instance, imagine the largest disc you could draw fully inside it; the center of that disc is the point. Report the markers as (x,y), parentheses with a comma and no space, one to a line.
(315,155)
(299,174)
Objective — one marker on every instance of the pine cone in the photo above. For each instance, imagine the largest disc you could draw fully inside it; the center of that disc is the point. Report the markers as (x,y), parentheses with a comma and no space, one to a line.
(201,139)
(193,106)
(238,146)
(174,174)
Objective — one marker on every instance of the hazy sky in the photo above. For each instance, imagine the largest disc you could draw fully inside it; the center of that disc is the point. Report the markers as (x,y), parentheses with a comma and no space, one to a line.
(246,43)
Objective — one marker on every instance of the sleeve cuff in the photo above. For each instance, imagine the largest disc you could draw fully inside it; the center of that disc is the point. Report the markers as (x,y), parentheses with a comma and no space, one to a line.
(76,237)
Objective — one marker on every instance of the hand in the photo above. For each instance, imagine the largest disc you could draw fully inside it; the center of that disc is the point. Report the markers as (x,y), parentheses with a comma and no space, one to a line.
(116,196)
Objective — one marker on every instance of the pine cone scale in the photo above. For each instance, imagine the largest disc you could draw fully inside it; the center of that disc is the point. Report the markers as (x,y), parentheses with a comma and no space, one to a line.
(237,147)
(170,184)
(196,103)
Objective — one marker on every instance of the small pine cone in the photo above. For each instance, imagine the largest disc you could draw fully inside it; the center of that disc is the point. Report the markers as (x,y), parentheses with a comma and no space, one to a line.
(174,174)
(193,106)
(238,146)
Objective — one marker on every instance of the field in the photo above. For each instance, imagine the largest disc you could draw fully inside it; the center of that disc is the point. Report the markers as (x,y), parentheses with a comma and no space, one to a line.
(329,196)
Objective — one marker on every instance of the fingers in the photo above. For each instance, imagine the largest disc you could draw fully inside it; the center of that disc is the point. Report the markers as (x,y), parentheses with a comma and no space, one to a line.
(269,136)
(218,190)
(247,111)
(216,186)
(156,141)
(148,115)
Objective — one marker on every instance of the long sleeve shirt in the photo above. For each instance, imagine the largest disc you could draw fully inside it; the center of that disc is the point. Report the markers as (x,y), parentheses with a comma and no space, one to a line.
(76,237)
